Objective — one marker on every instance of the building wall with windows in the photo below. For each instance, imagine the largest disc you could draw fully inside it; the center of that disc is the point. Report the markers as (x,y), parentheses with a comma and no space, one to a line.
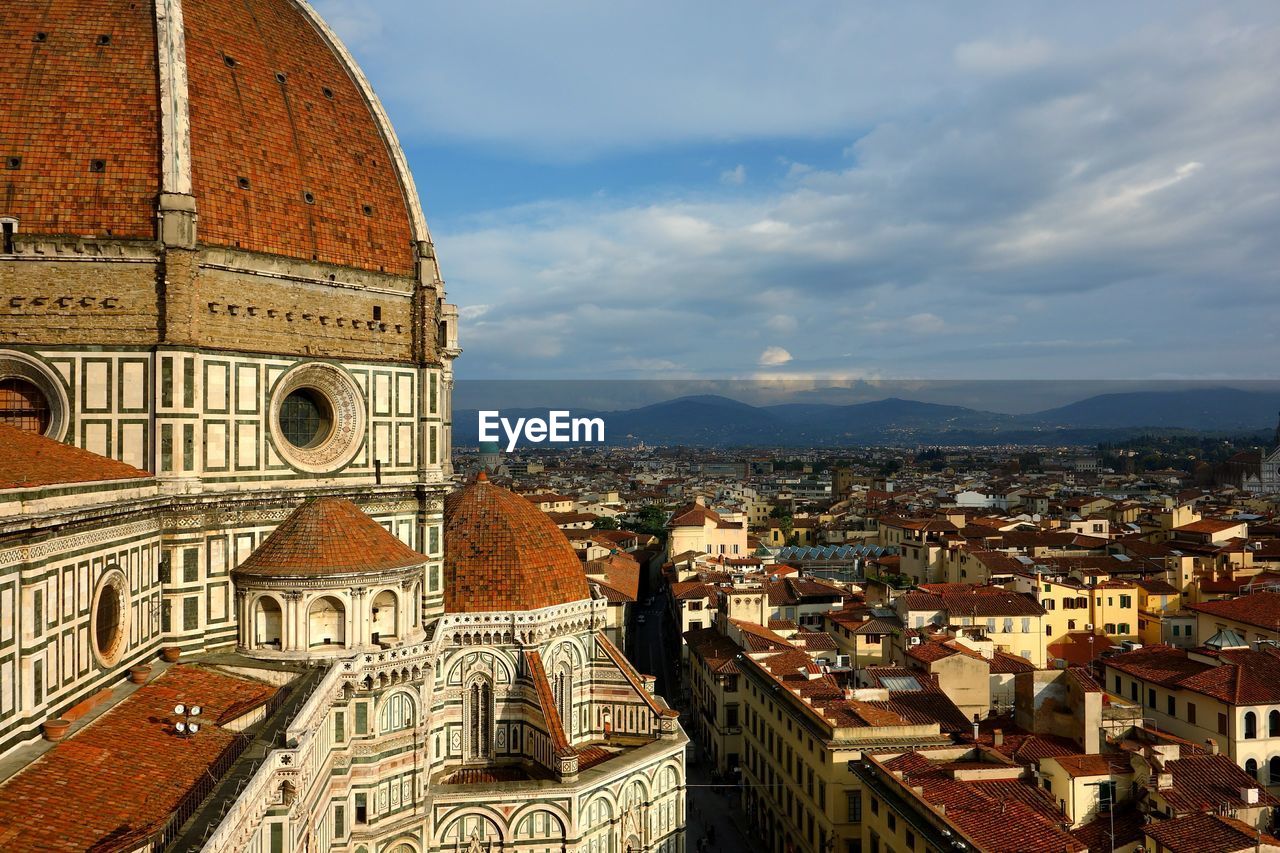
(798,791)
(1248,733)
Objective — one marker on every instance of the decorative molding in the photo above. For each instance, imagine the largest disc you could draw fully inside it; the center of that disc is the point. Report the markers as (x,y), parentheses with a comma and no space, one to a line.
(76,542)
(347,432)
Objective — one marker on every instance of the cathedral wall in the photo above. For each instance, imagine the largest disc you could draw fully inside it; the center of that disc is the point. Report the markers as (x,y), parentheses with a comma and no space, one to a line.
(77,609)
(215,415)
(302,312)
(73,297)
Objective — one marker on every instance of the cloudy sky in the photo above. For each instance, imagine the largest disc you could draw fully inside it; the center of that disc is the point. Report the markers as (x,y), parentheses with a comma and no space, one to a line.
(628,190)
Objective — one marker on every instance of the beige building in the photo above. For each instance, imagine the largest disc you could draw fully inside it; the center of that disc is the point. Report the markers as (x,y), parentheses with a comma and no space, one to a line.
(695,527)
(1013,622)
(1227,695)
(800,733)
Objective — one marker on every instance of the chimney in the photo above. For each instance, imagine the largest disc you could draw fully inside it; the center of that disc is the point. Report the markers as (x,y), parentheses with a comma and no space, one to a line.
(997,737)
(1211,745)
(975,725)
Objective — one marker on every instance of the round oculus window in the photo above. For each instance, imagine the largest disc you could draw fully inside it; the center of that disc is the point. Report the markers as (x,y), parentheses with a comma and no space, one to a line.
(108,625)
(306,418)
(32,397)
(317,417)
(24,405)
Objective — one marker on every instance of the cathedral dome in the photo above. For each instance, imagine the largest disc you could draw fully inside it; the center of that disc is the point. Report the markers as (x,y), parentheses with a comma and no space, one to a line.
(250,111)
(328,537)
(503,553)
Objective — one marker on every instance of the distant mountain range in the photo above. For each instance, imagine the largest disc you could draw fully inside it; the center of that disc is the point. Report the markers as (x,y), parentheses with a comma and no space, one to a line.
(715,421)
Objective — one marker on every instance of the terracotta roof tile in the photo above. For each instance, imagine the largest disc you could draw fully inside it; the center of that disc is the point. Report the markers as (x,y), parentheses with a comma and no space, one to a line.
(1206,781)
(503,553)
(1261,609)
(288,138)
(122,776)
(69,100)
(546,702)
(1207,833)
(28,460)
(328,536)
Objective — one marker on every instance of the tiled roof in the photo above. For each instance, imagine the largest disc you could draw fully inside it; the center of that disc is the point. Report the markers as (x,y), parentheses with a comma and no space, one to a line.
(1125,825)
(1207,525)
(1261,609)
(503,553)
(620,573)
(1207,833)
(1094,764)
(759,638)
(546,702)
(1244,676)
(979,602)
(1207,781)
(288,139)
(120,777)
(691,589)
(328,536)
(591,755)
(990,815)
(1003,663)
(713,648)
(70,99)
(694,515)
(28,460)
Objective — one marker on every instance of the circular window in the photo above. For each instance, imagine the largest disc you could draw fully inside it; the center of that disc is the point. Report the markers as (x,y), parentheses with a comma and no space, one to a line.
(317,417)
(306,418)
(32,397)
(23,405)
(107,625)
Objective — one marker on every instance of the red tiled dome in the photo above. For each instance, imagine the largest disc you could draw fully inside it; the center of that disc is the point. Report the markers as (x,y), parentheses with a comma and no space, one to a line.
(289,154)
(503,553)
(329,536)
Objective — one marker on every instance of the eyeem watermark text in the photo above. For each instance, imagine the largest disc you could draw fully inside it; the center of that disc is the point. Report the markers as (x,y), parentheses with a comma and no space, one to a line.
(558,428)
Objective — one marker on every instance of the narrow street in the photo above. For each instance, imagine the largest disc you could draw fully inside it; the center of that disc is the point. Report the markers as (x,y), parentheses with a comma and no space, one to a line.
(710,809)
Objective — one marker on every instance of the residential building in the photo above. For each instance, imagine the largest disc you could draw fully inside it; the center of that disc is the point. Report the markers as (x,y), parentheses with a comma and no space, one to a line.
(1013,621)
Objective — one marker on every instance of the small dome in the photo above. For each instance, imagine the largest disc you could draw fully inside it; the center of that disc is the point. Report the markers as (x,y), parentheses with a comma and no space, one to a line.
(329,536)
(503,553)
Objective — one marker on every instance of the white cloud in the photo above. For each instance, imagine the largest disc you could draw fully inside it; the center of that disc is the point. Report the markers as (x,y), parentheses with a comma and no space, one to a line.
(568,78)
(735,177)
(774,357)
(1015,178)
(1003,57)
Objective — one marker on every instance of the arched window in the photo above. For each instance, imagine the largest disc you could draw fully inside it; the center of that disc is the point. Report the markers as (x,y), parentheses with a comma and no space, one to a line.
(1251,767)
(268,622)
(384,615)
(397,713)
(479,719)
(327,622)
(1273,770)
(1273,724)
(1250,725)
(564,698)
(23,405)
